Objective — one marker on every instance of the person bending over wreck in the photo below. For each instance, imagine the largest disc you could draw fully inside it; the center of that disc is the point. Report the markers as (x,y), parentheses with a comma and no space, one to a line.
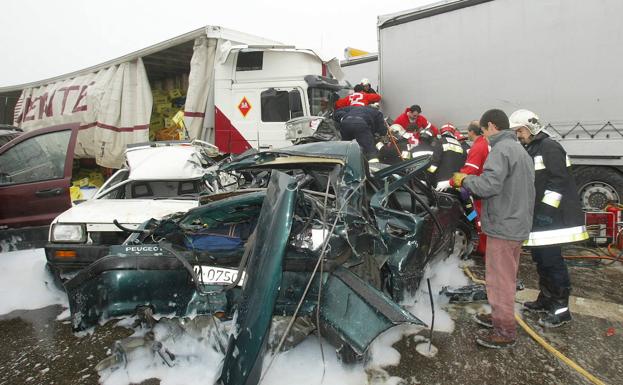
(506,187)
(361,124)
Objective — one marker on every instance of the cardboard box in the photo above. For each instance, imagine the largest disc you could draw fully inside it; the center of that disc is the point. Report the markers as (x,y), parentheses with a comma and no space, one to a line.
(162,108)
(160,99)
(175,93)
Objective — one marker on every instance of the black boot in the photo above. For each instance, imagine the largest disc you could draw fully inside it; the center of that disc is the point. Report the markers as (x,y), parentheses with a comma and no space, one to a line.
(559,313)
(543,302)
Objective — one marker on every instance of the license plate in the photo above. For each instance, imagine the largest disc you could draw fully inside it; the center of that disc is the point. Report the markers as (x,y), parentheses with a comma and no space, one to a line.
(212,275)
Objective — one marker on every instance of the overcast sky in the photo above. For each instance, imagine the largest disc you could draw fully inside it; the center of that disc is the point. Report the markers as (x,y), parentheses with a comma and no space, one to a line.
(43,38)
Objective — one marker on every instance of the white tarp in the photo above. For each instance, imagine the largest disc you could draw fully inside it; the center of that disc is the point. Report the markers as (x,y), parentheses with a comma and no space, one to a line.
(113,107)
(200,85)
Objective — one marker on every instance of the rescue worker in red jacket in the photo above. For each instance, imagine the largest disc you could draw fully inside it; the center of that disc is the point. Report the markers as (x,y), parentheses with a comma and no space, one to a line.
(357,98)
(557,220)
(413,120)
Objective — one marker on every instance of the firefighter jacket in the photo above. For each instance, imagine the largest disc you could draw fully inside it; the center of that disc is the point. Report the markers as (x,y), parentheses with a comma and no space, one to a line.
(558,216)
(476,157)
(465,145)
(452,157)
(431,146)
(393,152)
(358,99)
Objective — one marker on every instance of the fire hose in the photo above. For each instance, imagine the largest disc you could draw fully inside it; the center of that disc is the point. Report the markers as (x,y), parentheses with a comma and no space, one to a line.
(542,342)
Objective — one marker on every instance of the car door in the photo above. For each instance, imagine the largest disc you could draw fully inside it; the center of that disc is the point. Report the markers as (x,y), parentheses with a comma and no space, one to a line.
(406,216)
(35,176)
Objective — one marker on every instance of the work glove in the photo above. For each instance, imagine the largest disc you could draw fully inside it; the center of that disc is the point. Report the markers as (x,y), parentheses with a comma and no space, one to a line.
(457,179)
(443,185)
(464,194)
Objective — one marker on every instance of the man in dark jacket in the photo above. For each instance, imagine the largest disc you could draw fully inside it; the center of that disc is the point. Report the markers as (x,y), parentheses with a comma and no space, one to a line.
(506,187)
(558,218)
(361,124)
(396,148)
(452,157)
(428,143)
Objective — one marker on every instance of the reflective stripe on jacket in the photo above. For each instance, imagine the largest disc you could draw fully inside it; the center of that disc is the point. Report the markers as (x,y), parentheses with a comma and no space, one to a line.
(558,216)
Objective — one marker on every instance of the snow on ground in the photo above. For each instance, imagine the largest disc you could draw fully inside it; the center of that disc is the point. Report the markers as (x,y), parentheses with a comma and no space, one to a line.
(25,283)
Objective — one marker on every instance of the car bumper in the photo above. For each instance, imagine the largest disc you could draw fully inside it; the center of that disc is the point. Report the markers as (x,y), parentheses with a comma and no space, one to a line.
(65,257)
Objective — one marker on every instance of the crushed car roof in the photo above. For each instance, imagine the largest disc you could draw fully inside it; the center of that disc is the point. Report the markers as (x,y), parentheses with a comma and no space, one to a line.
(169,163)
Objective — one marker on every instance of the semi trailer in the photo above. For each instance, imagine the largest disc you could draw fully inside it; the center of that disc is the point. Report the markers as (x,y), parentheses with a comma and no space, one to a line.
(562,59)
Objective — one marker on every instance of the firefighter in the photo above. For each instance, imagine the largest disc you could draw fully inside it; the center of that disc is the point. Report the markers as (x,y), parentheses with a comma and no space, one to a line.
(396,148)
(452,157)
(367,87)
(357,98)
(361,124)
(412,120)
(428,143)
(557,219)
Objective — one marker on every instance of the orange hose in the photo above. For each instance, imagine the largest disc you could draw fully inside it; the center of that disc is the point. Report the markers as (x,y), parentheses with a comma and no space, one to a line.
(393,140)
(612,254)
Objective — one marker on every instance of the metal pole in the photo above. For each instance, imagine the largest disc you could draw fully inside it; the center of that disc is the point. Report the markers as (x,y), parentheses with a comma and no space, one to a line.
(432,322)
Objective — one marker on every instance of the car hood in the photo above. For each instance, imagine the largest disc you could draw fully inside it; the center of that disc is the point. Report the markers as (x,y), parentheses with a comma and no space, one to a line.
(123,210)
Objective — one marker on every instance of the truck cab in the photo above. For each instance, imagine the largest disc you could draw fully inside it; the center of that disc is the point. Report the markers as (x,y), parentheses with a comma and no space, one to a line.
(258,90)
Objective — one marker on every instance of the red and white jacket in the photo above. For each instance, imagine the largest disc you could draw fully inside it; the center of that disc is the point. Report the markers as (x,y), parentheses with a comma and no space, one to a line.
(357,99)
(476,157)
(421,122)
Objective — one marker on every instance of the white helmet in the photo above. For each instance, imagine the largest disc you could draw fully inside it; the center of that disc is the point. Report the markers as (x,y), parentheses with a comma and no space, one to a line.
(365,81)
(397,129)
(525,118)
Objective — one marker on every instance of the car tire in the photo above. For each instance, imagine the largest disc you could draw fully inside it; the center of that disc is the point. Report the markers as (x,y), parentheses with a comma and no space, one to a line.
(598,185)
(465,237)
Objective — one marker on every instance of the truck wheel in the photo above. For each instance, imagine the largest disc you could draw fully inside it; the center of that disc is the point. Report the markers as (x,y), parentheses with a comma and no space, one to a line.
(598,186)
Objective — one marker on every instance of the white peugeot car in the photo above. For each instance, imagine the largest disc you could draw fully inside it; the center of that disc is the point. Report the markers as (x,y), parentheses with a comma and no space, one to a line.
(158,179)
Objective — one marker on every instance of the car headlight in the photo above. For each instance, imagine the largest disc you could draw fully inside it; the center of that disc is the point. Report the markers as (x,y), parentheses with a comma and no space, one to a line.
(73,233)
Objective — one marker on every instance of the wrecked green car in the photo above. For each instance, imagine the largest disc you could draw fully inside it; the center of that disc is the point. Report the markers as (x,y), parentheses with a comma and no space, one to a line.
(313,233)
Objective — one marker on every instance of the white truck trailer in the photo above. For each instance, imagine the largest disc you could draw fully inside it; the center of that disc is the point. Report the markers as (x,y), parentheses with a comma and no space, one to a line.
(562,59)
(240,90)
(361,67)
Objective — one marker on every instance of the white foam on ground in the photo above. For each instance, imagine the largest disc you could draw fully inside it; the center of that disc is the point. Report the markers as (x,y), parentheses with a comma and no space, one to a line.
(441,273)
(198,363)
(25,283)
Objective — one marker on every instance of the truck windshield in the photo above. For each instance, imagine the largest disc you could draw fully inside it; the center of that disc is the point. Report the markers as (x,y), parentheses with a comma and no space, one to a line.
(321,101)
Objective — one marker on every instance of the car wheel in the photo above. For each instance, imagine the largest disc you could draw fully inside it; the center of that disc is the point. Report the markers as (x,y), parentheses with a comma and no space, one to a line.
(463,240)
